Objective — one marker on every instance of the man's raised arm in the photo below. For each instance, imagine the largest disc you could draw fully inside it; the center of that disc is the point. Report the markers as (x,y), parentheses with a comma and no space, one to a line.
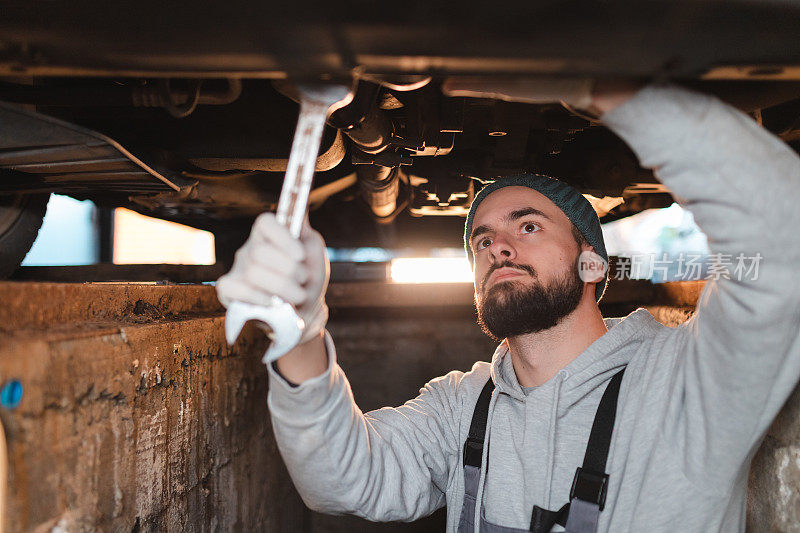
(741,352)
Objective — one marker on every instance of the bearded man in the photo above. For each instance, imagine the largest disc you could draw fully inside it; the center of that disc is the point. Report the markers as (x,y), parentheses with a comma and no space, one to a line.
(579,422)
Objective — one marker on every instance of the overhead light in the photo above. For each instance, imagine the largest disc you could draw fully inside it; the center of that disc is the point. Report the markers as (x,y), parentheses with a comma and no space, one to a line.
(431,270)
(139,239)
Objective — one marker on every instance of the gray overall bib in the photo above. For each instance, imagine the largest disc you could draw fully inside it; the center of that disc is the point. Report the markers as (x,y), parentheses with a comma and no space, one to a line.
(588,494)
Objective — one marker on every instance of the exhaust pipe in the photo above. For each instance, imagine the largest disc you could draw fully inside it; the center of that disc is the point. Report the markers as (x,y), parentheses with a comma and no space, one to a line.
(380,187)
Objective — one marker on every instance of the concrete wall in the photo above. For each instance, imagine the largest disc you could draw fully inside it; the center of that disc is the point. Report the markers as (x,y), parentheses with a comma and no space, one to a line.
(773,500)
(137,417)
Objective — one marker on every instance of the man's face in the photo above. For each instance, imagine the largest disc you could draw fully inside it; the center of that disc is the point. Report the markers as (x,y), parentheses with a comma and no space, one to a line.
(526,263)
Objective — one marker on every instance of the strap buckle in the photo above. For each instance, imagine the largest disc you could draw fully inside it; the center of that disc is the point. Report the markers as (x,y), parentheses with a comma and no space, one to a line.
(473,452)
(589,486)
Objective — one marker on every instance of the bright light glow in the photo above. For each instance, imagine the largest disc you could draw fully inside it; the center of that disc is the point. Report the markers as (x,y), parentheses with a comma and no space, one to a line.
(139,239)
(68,235)
(431,270)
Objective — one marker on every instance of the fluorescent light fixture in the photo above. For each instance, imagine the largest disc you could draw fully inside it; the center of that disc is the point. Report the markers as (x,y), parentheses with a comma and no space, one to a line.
(431,270)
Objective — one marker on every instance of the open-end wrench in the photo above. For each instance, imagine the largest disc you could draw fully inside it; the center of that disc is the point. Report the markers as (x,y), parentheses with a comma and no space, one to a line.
(284,324)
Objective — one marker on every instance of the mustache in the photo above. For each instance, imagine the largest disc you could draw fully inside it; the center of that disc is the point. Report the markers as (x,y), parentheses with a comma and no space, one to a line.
(519,266)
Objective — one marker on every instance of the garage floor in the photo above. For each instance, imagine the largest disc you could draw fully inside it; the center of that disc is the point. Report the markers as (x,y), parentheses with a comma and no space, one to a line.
(136,416)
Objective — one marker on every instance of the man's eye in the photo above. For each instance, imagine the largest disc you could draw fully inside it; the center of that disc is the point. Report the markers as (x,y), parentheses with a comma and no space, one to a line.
(483,243)
(529,227)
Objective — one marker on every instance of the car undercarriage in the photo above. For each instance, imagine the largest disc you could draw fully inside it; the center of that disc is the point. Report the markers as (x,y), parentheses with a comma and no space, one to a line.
(187,114)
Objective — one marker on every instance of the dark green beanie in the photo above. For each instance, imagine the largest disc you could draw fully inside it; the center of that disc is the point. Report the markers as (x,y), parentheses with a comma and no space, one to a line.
(567,198)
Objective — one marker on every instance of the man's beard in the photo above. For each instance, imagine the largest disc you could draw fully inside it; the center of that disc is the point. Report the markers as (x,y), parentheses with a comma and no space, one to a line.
(511,308)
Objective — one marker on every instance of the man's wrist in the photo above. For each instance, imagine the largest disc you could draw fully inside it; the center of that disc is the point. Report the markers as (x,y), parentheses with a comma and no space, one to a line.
(315,324)
(305,361)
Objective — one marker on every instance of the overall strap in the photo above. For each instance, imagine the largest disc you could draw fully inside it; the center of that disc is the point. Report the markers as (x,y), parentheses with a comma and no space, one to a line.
(588,494)
(590,485)
(473,446)
(473,457)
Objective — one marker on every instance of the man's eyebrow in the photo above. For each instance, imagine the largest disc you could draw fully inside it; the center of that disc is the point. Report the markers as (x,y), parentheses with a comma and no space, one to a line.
(525,211)
(483,228)
(513,215)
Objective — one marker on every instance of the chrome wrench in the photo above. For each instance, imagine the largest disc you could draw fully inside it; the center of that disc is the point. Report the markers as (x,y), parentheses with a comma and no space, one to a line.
(284,325)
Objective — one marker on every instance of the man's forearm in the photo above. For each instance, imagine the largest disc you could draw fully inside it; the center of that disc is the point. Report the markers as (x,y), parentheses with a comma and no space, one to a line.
(305,361)
(384,465)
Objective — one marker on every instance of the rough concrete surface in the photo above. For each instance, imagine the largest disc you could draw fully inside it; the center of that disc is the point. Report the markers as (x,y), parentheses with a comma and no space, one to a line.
(147,423)
(137,417)
(773,500)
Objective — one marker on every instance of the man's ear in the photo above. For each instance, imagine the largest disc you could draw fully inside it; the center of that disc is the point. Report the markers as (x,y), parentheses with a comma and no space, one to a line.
(591,267)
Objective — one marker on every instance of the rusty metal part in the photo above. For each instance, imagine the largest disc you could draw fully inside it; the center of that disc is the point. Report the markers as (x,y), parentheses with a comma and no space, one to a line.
(772,72)
(399,82)
(240,196)
(107,272)
(646,188)
(185,108)
(162,94)
(327,160)
(379,182)
(38,147)
(602,206)
(373,133)
(318,195)
(362,120)
(380,187)
(165,94)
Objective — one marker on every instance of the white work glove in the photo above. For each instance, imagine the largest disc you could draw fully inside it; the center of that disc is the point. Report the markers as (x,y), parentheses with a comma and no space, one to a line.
(271,262)
(575,92)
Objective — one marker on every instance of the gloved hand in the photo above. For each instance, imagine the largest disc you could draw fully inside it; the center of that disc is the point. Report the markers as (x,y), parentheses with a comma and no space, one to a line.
(271,262)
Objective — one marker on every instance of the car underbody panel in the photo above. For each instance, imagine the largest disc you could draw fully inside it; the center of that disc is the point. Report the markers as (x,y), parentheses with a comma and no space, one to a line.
(677,39)
(187,113)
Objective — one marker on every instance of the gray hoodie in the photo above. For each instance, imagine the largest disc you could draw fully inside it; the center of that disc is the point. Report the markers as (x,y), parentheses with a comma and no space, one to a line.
(695,401)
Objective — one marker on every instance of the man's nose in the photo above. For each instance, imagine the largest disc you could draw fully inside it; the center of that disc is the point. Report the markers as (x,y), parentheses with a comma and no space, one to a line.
(502,248)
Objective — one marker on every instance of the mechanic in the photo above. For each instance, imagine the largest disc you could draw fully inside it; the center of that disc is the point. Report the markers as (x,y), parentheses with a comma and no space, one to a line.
(546,435)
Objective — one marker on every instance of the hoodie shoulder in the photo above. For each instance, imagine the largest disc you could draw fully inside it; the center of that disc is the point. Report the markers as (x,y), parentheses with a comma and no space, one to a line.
(463,387)
(481,371)
(464,382)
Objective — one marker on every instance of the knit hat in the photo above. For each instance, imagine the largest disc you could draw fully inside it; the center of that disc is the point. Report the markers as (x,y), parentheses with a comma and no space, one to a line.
(567,198)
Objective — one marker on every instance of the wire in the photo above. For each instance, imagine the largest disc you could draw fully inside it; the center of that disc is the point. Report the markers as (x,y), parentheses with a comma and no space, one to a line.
(223,175)
(585,115)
